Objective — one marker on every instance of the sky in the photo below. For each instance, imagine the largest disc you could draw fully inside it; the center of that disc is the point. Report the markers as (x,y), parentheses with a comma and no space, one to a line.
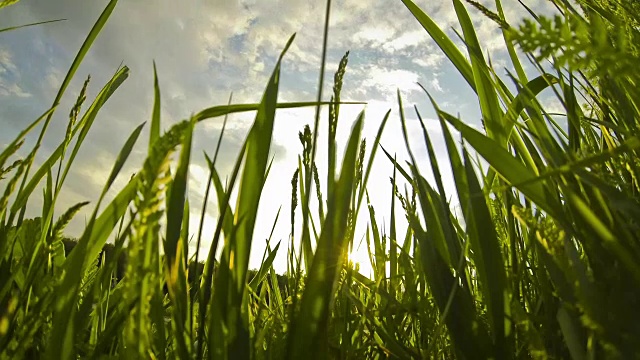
(206,50)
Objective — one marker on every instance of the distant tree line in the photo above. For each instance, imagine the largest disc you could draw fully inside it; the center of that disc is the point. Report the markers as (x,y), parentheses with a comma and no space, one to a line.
(195,270)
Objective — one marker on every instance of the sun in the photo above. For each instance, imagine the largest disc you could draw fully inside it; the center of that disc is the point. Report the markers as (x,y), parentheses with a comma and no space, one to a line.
(360,259)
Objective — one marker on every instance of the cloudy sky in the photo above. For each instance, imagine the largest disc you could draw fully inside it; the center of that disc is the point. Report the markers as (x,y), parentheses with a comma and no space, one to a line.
(205,50)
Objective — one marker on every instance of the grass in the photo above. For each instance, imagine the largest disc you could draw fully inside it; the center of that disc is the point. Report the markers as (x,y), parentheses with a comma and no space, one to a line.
(542,262)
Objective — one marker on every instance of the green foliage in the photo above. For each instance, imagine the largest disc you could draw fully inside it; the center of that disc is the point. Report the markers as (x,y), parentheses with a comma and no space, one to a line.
(541,261)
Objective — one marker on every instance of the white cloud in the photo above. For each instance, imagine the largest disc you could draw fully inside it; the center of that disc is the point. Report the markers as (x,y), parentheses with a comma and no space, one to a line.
(12,89)
(6,61)
(407,39)
(435,84)
(9,87)
(387,81)
(431,60)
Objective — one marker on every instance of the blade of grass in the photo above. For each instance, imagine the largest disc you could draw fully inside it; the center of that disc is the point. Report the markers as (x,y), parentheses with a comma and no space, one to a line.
(444,42)
(489,106)
(106,92)
(506,165)
(63,332)
(308,335)
(154,132)
(86,45)
(235,325)
(489,262)
(32,24)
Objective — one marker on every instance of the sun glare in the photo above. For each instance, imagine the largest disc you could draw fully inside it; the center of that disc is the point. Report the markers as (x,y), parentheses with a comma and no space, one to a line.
(360,259)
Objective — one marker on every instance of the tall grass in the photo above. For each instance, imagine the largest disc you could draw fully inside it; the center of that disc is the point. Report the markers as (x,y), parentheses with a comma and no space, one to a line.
(543,261)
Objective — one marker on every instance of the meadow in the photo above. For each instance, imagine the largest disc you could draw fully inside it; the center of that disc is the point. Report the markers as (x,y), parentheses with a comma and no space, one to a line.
(541,262)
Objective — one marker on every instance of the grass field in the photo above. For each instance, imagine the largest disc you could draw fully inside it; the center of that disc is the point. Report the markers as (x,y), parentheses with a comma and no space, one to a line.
(541,262)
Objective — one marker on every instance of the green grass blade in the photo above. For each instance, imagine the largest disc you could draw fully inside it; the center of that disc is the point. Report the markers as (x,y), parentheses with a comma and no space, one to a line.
(222,110)
(154,132)
(607,235)
(265,267)
(176,203)
(372,157)
(28,25)
(393,244)
(63,332)
(308,334)
(506,165)
(103,96)
(215,313)
(9,149)
(488,260)
(513,56)
(108,219)
(86,45)
(448,230)
(4,3)
(444,42)
(530,90)
(238,247)
(489,104)
(428,203)
(89,117)
(227,223)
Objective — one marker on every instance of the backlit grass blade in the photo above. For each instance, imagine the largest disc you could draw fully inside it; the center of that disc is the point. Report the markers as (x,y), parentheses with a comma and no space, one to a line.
(176,246)
(84,126)
(4,3)
(176,200)
(88,119)
(88,42)
(372,156)
(452,298)
(606,234)
(513,56)
(10,148)
(238,247)
(101,98)
(444,42)
(308,335)
(448,231)
(154,132)
(109,218)
(63,333)
(222,110)
(489,104)
(529,91)
(397,166)
(429,205)
(506,165)
(628,146)
(224,221)
(393,244)
(28,25)
(206,195)
(379,252)
(177,284)
(227,223)
(489,262)
(253,176)
(264,268)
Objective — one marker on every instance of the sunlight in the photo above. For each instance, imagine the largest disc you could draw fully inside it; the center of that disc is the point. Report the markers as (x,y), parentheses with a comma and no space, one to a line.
(360,259)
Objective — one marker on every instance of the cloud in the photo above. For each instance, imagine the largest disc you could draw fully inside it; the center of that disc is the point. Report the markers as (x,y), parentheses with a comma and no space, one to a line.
(9,76)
